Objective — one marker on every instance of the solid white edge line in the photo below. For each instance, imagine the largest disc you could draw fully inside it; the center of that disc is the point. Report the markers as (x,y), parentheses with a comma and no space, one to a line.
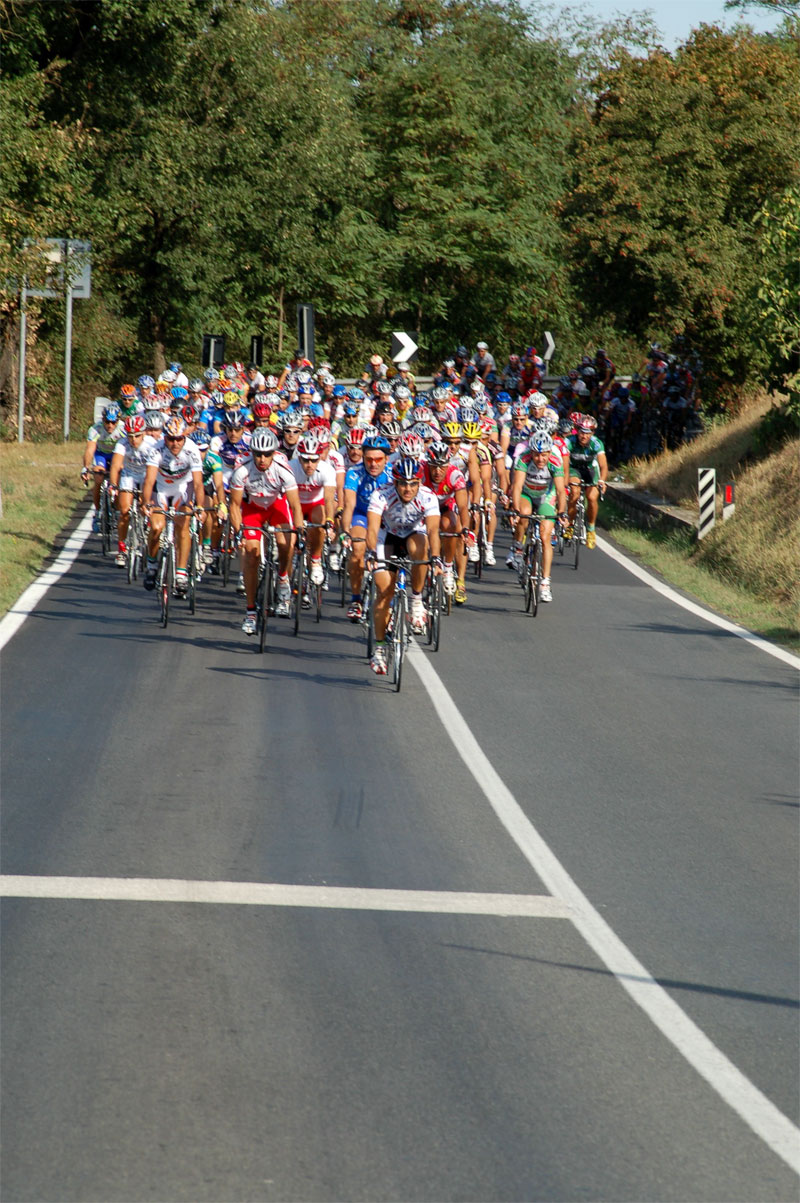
(749,636)
(757,1111)
(13,620)
(256,893)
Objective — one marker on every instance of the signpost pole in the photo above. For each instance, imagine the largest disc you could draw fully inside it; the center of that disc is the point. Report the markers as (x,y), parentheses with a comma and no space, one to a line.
(23,334)
(67,344)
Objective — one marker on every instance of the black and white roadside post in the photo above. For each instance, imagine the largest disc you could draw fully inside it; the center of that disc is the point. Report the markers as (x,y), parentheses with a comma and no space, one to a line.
(305,331)
(707,499)
(404,346)
(549,348)
(213,350)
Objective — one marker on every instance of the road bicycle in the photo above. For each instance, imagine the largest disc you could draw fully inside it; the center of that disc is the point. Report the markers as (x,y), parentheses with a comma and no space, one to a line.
(479,508)
(166,562)
(398,628)
(135,546)
(312,592)
(531,572)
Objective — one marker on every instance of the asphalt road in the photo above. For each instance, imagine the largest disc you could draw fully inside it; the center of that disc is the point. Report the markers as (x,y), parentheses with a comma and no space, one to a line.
(192,1051)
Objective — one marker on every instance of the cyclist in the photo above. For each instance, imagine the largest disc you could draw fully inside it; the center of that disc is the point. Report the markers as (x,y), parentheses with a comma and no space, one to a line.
(587,464)
(538,488)
(360,483)
(214,488)
(101,442)
(446,480)
(175,473)
(264,491)
(403,520)
(126,475)
(316,485)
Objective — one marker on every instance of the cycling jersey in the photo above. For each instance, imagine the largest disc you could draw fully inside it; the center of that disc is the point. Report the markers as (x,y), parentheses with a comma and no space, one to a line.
(106,440)
(312,488)
(233,454)
(583,463)
(263,488)
(211,464)
(359,481)
(539,484)
(134,463)
(403,518)
(451,482)
(174,468)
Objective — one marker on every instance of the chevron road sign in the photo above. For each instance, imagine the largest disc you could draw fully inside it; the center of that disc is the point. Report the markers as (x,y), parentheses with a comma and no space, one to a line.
(403,346)
(707,497)
(549,346)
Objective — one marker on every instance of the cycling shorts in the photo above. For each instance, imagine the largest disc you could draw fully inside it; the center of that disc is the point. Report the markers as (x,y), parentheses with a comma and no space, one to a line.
(391,545)
(102,460)
(128,482)
(543,506)
(254,517)
(181,495)
(359,520)
(588,473)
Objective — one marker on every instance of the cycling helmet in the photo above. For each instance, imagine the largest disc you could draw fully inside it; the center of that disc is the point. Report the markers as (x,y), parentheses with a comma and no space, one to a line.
(355,437)
(519,410)
(152,403)
(536,399)
(127,392)
(146,383)
(438,452)
(323,436)
(339,390)
(467,413)
(488,426)
(402,392)
(306,389)
(383,387)
(411,445)
(421,413)
(162,386)
(111,413)
(178,393)
(357,394)
(376,442)
(154,419)
(425,431)
(452,430)
(202,439)
(476,387)
(406,469)
(196,385)
(349,409)
(233,420)
(175,427)
(261,411)
(574,416)
(264,439)
(135,424)
(169,376)
(472,431)
(440,394)
(565,426)
(188,413)
(541,443)
(211,375)
(230,372)
(503,399)
(585,423)
(309,445)
(393,429)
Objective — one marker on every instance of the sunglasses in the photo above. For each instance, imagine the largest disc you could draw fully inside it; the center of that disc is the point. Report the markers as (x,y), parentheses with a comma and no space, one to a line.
(374,459)
(262,454)
(175,438)
(309,459)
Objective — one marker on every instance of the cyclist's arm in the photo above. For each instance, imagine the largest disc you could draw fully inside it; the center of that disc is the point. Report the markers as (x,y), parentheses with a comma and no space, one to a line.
(114,470)
(330,502)
(434,541)
(462,501)
(602,464)
(88,455)
(293,497)
(199,491)
(349,508)
(235,506)
(517,482)
(373,529)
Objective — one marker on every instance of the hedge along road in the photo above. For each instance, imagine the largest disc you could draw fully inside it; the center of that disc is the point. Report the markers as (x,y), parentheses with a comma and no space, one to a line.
(429,1008)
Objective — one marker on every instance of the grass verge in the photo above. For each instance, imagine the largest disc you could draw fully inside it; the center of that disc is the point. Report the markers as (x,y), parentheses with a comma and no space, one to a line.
(672,554)
(41,486)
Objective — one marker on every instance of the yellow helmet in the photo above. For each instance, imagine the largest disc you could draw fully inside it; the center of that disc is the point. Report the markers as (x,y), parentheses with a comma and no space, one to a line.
(452,430)
(472,431)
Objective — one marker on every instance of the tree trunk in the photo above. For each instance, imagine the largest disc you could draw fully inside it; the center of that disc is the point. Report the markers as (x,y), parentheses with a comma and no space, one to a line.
(157,334)
(280,323)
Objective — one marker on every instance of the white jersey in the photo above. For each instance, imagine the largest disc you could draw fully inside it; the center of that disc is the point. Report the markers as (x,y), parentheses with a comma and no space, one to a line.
(263,488)
(174,469)
(135,459)
(312,488)
(403,518)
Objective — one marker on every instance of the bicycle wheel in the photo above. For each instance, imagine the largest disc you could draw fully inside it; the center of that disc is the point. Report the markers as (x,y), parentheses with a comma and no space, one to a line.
(105,521)
(191,581)
(344,574)
(368,611)
(226,551)
(399,639)
(165,582)
(265,601)
(527,580)
(481,537)
(536,577)
(132,548)
(298,579)
(438,604)
(578,535)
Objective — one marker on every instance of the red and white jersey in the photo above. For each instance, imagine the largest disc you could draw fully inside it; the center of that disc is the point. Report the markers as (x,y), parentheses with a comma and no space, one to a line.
(336,460)
(452,480)
(312,488)
(174,469)
(263,488)
(560,445)
(403,518)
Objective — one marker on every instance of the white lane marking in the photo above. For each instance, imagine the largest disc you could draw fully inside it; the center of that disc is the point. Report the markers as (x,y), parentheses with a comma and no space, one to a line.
(256,893)
(764,645)
(757,1111)
(13,620)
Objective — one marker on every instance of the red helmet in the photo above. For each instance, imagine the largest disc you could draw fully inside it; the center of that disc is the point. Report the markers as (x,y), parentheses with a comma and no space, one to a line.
(261,410)
(355,437)
(135,424)
(188,414)
(586,423)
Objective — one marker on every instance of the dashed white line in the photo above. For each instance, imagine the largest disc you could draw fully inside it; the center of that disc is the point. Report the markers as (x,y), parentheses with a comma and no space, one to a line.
(757,1111)
(255,893)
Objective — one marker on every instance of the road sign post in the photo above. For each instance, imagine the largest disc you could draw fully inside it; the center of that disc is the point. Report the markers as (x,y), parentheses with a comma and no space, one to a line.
(707,500)
(213,350)
(305,331)
(257,349)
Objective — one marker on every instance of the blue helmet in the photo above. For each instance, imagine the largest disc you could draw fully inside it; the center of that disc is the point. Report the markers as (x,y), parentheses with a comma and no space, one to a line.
(406,469)
(376,442)
(503,399)
(357,394)
(111,413)
(339,390)
(178,393)
(350,409)
(146,383)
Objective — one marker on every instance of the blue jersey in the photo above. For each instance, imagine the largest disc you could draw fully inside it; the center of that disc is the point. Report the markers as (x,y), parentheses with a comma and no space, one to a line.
(364,485)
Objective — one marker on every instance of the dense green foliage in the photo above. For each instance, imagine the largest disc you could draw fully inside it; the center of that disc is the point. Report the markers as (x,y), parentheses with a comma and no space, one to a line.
(447,166)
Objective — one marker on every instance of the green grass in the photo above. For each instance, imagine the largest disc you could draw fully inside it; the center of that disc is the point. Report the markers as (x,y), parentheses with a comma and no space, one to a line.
(40,490)
(673,555)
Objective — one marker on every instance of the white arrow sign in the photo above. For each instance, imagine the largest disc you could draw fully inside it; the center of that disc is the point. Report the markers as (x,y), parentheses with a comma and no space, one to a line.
(403,346)
(550,345)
